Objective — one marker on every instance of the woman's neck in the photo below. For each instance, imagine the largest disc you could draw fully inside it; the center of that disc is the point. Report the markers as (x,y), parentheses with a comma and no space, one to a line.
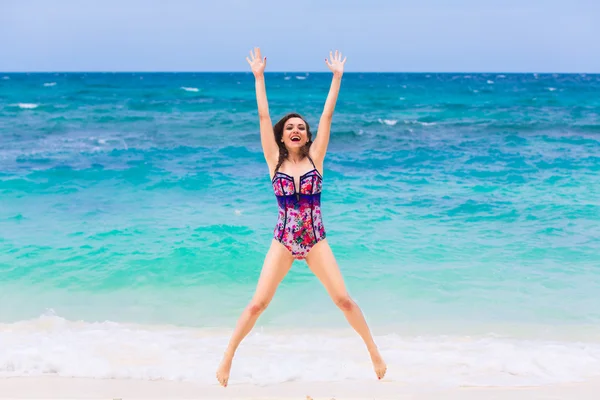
(295,157)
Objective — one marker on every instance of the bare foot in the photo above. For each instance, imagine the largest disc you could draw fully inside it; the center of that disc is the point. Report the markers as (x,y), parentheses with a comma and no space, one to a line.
(223,370)
(378,364)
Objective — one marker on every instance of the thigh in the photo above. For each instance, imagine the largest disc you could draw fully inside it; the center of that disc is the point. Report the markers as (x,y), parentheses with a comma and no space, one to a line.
(322,263)
(277,263)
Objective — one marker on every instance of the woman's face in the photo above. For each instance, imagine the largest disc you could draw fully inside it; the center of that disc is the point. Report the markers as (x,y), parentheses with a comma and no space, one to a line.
(294,133)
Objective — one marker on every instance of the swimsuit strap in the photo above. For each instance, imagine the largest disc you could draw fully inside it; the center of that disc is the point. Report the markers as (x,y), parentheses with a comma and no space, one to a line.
(277,169)
(311,161)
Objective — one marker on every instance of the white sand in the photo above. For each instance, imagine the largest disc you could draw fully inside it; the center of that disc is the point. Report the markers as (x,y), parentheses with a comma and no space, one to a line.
(80,388)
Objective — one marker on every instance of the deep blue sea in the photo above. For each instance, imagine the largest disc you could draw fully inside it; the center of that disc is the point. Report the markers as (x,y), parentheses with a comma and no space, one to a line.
(463,210)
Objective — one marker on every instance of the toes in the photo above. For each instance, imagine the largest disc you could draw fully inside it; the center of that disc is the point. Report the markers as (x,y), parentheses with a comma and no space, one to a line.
(222,380)
(380,372)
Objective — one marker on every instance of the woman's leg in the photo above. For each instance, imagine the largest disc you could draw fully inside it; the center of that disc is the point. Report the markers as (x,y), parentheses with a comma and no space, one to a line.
(276,265)
(322,263)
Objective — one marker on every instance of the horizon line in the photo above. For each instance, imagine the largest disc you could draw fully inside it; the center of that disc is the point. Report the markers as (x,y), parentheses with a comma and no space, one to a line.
(290,72)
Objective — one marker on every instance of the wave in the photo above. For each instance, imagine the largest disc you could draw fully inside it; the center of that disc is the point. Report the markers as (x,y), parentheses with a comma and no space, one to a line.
(422,123)
(393,122)
(190,89)
(26,106)
(389,122)
(51,345)
(50,84)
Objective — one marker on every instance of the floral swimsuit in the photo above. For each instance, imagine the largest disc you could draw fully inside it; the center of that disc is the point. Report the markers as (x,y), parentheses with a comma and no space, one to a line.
(299,225)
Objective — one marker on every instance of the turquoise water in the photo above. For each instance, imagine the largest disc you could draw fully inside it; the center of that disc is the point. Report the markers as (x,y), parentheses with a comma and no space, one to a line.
(455,204)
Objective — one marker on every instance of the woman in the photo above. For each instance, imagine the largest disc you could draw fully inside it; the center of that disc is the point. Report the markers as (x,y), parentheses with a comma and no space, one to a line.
(295,165)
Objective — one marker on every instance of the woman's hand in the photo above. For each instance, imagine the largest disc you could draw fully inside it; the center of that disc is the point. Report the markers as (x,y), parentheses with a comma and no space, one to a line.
(336,64)
(257,63)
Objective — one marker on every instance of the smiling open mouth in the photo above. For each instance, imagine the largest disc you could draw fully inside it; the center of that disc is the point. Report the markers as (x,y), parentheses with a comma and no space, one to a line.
(295,138)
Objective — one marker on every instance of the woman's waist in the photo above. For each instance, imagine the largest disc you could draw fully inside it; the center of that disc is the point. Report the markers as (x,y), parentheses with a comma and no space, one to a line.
(299,197)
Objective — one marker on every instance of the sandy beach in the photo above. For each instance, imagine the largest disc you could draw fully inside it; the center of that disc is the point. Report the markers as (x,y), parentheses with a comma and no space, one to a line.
(80,388)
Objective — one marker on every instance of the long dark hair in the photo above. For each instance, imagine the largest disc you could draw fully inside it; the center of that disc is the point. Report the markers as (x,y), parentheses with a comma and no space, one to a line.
(278,130)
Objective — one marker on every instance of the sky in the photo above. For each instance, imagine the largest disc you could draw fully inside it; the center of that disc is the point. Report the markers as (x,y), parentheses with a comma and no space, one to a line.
(375,35)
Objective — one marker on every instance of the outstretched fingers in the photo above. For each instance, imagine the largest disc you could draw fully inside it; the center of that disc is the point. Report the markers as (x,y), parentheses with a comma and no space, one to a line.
(256,61)
(251,58)
(336,57)
(335,62)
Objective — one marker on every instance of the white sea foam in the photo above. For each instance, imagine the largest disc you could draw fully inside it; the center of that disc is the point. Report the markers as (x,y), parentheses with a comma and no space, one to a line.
(411,122)
(490,82)
(287,78)
(50,84)
(6,78)
(300,77)
(27,105)
(50,345)
(390,122)
(551,89)
(190,89)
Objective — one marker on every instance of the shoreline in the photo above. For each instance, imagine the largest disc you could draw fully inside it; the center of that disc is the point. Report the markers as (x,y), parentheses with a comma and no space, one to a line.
(54,347)
(411,329)
(84,388)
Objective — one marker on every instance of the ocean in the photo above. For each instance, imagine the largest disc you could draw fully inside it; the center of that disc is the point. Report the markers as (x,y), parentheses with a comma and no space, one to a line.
(463,210)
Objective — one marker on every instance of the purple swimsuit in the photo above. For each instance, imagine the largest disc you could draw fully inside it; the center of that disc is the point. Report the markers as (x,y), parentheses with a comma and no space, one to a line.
(299,225)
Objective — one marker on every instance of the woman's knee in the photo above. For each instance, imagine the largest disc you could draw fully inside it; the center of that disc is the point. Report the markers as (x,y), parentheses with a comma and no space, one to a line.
(257,306)
(344,302)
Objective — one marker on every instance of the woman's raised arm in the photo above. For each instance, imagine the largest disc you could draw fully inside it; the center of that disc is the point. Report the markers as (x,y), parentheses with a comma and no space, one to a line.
(319,146)
(267,137)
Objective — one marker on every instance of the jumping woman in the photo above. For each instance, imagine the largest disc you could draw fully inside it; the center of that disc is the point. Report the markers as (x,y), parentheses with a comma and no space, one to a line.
(295,164)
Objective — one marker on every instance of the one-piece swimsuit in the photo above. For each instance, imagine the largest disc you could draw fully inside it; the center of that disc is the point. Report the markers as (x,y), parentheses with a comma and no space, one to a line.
(299,223)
